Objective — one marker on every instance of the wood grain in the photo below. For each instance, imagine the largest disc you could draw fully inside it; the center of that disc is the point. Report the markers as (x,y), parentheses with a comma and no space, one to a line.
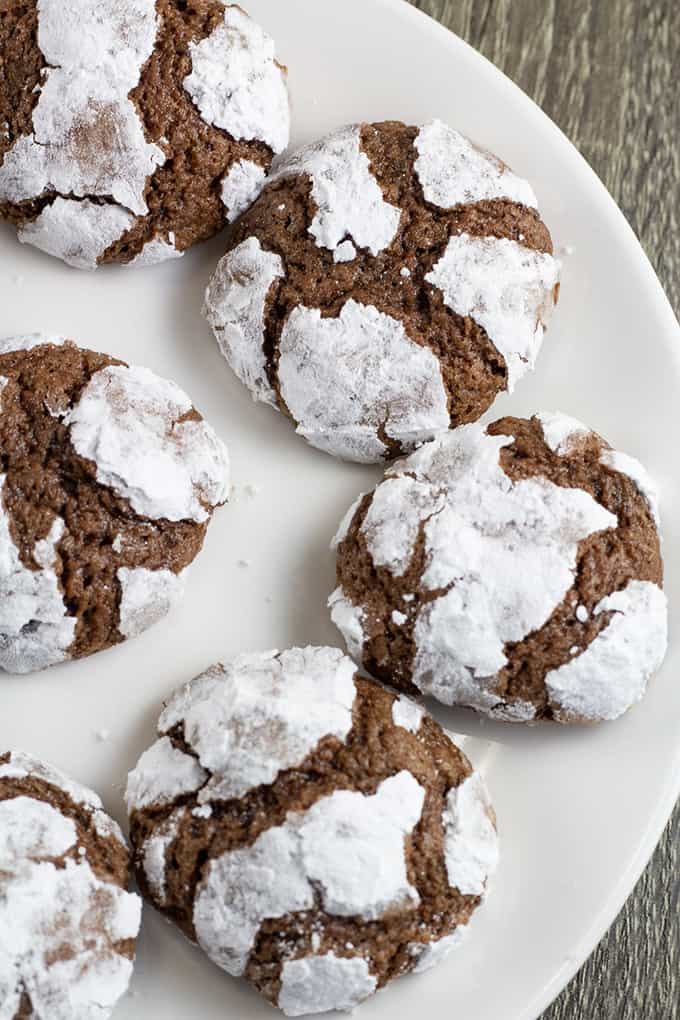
(608,72)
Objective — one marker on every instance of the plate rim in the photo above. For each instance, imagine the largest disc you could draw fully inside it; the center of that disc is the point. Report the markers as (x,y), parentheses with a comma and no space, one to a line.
(668,799)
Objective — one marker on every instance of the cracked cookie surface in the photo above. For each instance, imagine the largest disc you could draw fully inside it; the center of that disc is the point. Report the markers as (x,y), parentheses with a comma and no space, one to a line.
(388,283)
(67,923)
(311,831)
(130,131)
(108,480)
(514,569)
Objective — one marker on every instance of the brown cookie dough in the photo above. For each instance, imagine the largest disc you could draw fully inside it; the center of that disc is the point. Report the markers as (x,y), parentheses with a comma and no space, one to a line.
(67,924)
(312,832)
(514,569)
(130,131)
(389,282)
(109,478)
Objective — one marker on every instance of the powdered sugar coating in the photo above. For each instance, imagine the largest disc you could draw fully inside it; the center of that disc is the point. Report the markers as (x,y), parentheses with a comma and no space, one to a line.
(350,204)
(78,232)
(156,251)
(508,549)
(235,305)
(146,597)
(319,984)
(627,465)
(87,137)
(506,288)
(434,953)
(11,344)
(155,848)
(263,714)
(452,171)
(611,674)
(345,378)
(241,186)
(560,432)
(407,714)
(349,619)
(76,34)
(162,774)
(133,425)
(312,854)
(21,765)
(33,829)
(60,927)
(35,628)
(345,523)
(399,508)
(236,83)
(500,556)
(470,838)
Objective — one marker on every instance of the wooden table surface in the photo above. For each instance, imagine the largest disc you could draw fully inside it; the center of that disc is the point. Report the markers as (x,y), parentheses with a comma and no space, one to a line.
(608,73)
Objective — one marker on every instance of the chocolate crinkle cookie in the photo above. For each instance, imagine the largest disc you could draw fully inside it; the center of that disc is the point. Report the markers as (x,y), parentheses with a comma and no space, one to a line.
(131,129)
(312,832)
(108,480)
(67,924)
(514,569)
(388,283)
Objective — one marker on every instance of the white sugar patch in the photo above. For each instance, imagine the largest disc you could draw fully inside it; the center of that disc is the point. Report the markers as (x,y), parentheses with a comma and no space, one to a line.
(407,713)
(10,344)
(156,251)
(350,204)
(263,715)
(561,433)
(236,83)
(78,34)
(345,252)
(312,854)
(319,984)
(504,553)
(235,305)
(35,629)
(344,379)
(470,839)
(452,171)
(434,953)
(346,522)
(22,765)
(349,619)
(241,186)
(162,774)
(155,848)
(606,679)
(627,465)
(43,909)
(33,829)
(77,232)
(128,422)
(87,137)
(146,597)
(506,288)
(399,508)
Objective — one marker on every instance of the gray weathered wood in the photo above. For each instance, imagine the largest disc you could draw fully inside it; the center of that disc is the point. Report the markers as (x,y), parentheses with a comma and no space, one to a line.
(608,72)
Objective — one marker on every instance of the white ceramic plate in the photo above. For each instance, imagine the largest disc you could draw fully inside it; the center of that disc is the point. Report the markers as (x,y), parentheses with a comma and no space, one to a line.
(579,810)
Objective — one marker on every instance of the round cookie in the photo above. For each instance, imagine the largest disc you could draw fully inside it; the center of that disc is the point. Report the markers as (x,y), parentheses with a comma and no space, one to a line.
(67,924)
(131,130)
(387,284)
(514,569)
(312,832)
(109,480)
